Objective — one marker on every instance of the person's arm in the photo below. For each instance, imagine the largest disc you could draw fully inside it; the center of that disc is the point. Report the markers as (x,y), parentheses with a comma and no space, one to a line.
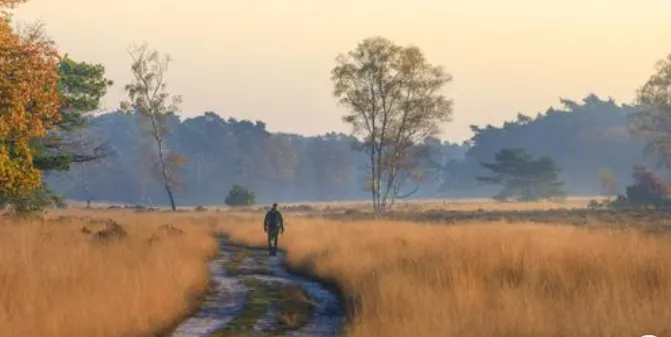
(281,222)
(265,222)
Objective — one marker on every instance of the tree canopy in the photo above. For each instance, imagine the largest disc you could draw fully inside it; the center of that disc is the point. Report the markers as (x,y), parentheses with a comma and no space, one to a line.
(81,87)
(394,102)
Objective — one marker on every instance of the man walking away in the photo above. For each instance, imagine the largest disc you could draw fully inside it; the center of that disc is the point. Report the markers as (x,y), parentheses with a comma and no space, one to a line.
(273,225)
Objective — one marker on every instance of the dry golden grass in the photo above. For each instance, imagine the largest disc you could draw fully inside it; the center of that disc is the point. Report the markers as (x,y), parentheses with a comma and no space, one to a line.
(418,205)
(484,280)
(407,279)
(492,205)
(56,281)
(447,205)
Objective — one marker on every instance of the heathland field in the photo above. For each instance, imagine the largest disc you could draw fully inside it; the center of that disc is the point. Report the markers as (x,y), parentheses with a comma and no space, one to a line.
(478,270)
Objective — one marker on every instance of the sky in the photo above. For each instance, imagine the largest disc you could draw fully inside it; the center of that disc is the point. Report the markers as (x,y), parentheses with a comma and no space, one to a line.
(271,60)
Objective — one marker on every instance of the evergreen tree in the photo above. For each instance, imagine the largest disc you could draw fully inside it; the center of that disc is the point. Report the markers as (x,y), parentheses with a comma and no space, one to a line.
(523,176)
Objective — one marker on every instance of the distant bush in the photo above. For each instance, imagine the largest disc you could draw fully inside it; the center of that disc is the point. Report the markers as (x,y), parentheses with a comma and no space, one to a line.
(60,203)
(240,196)
(594,204)
(648,190)
(299,208)
(199,209)
(352,211)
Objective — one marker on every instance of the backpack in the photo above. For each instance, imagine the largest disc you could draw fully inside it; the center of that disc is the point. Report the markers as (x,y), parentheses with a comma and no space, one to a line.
(273,218)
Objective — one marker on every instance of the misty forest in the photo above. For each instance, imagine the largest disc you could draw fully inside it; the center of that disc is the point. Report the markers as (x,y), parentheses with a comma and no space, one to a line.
(583,137)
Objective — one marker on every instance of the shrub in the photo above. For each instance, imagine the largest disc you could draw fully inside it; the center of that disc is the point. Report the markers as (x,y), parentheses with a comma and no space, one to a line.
(240,196)
(40,199)
(648,190)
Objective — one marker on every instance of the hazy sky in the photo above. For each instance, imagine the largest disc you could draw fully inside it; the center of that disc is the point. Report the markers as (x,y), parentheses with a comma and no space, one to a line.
(270,60)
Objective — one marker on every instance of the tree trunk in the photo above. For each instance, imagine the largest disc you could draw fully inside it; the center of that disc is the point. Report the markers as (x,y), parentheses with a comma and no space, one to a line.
(162,160)
(373,186)
(171,197)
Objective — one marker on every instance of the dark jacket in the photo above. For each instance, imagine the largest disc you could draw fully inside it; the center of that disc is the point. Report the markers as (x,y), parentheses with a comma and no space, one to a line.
(273,220)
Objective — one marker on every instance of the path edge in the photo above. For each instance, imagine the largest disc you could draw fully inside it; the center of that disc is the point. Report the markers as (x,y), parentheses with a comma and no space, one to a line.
(197,304)
(345,301)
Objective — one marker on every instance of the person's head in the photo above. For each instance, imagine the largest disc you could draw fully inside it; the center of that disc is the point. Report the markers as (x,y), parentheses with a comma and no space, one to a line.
(274,205)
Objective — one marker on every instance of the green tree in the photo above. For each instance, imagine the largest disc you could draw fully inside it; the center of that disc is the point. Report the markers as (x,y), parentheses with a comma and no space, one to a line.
(523,176)
(81,87)
(392,94)
(149,98)
(240,196)
(608,182)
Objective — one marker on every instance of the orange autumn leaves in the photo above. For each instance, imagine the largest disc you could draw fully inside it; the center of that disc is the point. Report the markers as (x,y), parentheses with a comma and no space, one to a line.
(6,4)
(29,105)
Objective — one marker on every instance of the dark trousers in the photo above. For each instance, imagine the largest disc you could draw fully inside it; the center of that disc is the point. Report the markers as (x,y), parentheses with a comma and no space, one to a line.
(273,236)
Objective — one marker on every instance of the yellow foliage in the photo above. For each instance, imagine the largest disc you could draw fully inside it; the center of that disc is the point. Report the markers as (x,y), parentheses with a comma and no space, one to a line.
(29,104)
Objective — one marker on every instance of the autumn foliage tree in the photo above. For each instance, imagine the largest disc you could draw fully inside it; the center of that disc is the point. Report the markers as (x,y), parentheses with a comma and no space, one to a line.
(29,105)
(81,87)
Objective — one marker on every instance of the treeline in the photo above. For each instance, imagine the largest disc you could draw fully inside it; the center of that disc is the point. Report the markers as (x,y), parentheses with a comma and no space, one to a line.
(582,137)
(221,153)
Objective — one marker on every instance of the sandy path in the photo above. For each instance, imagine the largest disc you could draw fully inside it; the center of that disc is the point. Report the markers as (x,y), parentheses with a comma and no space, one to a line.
(231,295)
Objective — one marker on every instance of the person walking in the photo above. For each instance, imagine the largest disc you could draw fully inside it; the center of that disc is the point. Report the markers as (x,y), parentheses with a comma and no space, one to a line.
(273,225)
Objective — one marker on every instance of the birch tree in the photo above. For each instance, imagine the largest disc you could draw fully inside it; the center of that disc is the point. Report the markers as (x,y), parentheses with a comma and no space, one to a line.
(394,102)
(149,98)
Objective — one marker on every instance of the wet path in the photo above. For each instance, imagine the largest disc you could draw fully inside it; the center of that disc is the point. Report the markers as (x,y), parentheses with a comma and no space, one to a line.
(256,296)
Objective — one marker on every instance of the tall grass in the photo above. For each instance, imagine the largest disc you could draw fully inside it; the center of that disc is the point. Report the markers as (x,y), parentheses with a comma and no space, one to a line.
(57,281)
(485,280)
(452,205)
(407,279)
